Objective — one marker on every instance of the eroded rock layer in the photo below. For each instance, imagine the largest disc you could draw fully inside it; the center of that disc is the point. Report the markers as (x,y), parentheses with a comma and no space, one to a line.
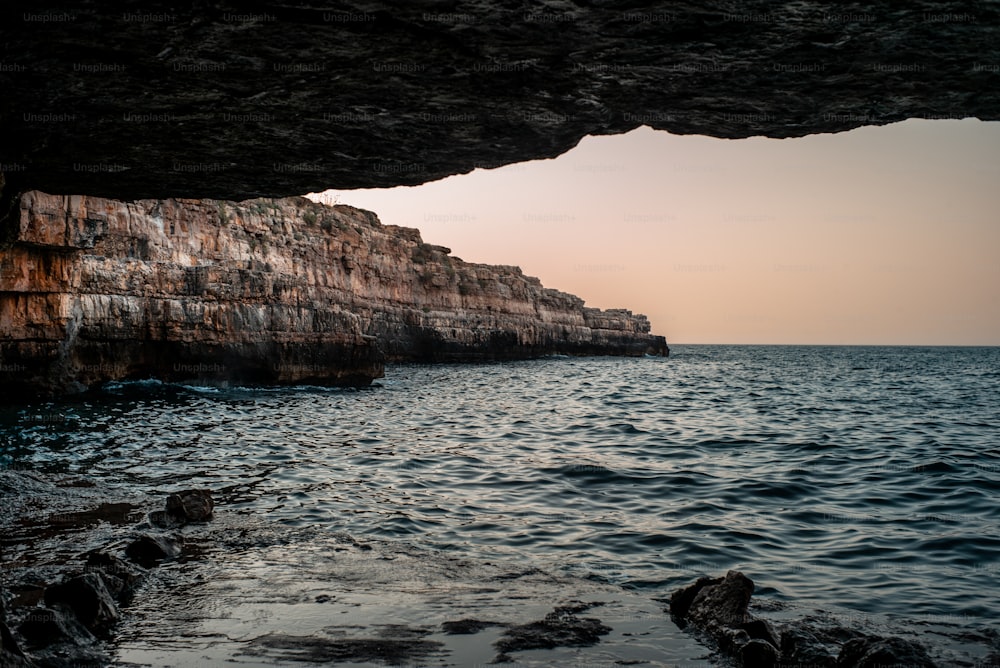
(262,291)
(235,100)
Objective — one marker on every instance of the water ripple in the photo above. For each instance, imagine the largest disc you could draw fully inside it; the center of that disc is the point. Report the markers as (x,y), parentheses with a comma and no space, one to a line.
(860,477)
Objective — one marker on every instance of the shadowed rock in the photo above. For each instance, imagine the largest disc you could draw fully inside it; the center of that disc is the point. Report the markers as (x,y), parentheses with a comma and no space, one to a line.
(43,627)
(150,549)
(717,607)
(120,577)
(10,651)
(88,597)
(560,628)
(193,505)
(758,654)
(799,646)
(206,99)
(877,652)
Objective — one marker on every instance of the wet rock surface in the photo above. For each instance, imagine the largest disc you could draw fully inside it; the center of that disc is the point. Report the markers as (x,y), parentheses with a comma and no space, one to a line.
(371,601)
(89,600)
(193,505)
(205,292)
(43,627)
(800,646)
(217,99)
(874,652)
(120,577)
(722,602)
(718,610)
(63,613)
(358,599)
(560,628)
(466,626)
(150,549)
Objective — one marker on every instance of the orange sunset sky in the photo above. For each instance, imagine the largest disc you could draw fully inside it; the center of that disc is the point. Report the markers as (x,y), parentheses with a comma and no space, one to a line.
(881,235)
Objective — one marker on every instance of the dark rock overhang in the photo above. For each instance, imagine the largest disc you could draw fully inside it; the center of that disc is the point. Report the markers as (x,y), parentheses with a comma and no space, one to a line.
(133,99)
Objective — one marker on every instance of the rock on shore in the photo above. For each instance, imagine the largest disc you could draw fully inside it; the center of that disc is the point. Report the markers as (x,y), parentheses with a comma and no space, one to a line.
(717,610)
(262,291)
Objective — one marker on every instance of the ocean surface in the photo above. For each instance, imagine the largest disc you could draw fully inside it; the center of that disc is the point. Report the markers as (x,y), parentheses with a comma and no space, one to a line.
(862,479)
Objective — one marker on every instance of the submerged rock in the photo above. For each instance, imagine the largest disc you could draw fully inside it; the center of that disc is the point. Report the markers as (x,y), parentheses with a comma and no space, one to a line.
(161,519)
(466,626)
(560,628)
(799,646)
(878,652)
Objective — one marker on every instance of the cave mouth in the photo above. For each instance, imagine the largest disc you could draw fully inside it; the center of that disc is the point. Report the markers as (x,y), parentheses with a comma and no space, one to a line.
(212,100)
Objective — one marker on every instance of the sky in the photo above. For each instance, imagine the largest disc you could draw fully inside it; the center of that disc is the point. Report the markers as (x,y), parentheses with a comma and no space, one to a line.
(879,236)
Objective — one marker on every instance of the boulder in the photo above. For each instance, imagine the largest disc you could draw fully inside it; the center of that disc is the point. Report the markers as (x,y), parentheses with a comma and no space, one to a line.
(680,600)
(758,654)
(149,549)
(718,608)
(724,603)
(193,505)
(50,626)
(120,577)
(88,597)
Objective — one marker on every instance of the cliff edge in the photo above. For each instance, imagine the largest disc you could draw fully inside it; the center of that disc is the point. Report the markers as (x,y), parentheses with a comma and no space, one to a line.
(261,291)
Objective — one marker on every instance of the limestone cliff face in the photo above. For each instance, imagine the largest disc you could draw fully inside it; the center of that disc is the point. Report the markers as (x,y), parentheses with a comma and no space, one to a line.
(262,291)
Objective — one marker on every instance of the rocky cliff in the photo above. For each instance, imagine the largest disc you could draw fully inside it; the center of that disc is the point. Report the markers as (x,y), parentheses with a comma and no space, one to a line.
(262,291)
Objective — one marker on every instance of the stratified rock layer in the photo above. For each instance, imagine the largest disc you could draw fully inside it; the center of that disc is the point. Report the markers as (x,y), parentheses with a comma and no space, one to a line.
(231,100)
(263,291)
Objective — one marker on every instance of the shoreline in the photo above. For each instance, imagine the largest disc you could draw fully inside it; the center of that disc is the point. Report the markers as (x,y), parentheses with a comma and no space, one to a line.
(260,573)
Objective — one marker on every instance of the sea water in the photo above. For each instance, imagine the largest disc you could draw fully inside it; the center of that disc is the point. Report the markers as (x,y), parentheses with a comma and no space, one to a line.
(853,478)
